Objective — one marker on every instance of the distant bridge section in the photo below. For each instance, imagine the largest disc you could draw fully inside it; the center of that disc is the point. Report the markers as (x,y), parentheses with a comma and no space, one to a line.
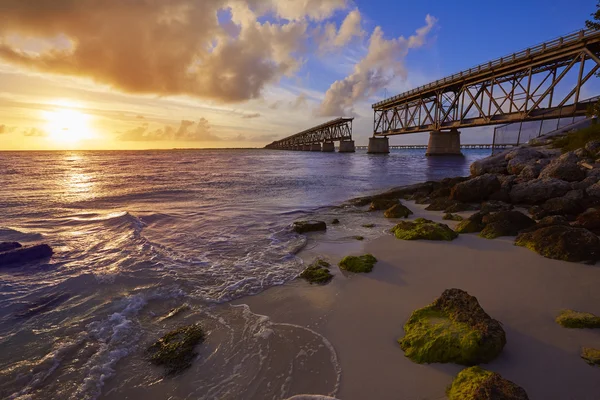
(320,138)
(539,83)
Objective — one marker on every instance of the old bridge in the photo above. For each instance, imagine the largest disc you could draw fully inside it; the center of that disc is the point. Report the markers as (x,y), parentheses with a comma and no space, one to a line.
(320,138)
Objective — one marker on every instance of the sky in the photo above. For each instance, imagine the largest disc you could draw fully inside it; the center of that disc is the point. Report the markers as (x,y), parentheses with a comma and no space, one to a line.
(145,74)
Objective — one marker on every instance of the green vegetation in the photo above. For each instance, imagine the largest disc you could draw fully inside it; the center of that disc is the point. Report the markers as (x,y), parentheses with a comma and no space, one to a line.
(317,272)
(358,264)
(578,139)
(452,217)
(577,320)
(175,350)
(475,383)
(591,356)
(397,211)
(422,228)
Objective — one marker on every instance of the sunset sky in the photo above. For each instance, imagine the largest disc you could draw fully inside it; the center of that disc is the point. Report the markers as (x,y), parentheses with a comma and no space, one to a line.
(140,74)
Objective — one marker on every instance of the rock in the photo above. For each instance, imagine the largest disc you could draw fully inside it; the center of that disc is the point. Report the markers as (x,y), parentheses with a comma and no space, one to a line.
(459,207)
(440,204)
(422,228)
(562,243)
(317,272)
(309,226)
(569,204)
(593,147)
(521,157)
(495,205)
(506,184)
(358,264)
(175,350)
(565,168)
(505,223)
(22,255)
(577,320)
(6,246)
(397,211)
(42,305)
(490,165)
(586,183)
(591,356)
(396,193)
(530,172)
(335,221)
(546,222)
(590,220)
(452,217)
(537,212)
(475,383)
(359,238)
(454,328)
(538,190)
(472,224)
(476,189)
(594,190)
(368,226)
(382,204)
(441,192)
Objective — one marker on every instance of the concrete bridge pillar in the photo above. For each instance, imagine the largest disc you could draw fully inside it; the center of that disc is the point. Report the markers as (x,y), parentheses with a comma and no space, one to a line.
(347,146)
(315,147)
(328,147)
(444,143)
(306,147)
(379,145)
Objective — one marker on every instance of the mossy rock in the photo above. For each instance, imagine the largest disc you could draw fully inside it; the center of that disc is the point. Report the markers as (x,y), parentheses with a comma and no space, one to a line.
(505,223)
(472,224)
(358,264)
(577,320)
(175,350)
(475,383)
(561,242)
(382,204)
(591,356)
(368,226)
(452,217)
(422,228)
(317,272)
(397,211)
(453,329)
(309,226)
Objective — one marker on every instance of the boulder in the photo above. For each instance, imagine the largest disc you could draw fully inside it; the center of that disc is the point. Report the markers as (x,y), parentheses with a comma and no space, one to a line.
(309,226)
(562,243)
(495,205)
(529,172)
(490,165)
(586,183)
(521,157)
(22,255)
(396,193)
(591,356)
(422,228)
(475,383)
(476,189)
(590,219)
(538,190)
(447,205)
(565,168)
(593,147)
(358,264)
(457,206)
(452,217)
(382,204)
(175,350)
(569,204)
(472,224)
(397,211)
(594,190)
(505,223)
(453,329)
(546,222)
(577,320)
(506,184)
(317,272)
(6,246)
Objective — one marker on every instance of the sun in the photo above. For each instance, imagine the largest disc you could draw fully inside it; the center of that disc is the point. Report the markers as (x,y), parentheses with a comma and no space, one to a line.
(67,125)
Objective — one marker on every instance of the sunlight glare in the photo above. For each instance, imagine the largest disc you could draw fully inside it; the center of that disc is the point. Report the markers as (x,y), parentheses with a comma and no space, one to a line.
(67,125)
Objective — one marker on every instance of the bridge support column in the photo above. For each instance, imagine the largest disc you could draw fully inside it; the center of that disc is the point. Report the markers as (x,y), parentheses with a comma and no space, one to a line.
(306,147)
(315,147)
(379,145)
(347,146)
(328,147)
(444,143)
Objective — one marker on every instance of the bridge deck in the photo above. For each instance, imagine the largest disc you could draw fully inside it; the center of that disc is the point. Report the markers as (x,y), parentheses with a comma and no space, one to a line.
(339,129)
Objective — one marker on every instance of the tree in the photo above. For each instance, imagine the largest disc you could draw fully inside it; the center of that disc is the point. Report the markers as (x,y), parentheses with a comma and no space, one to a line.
(595,23)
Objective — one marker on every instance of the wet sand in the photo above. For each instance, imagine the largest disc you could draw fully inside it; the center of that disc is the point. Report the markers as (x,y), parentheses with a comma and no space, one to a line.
(363,315)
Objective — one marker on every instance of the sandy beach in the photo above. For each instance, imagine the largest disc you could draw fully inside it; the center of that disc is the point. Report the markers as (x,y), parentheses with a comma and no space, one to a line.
(362,315)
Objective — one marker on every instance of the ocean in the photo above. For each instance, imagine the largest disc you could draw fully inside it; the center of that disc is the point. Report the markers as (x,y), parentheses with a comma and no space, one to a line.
(138,234)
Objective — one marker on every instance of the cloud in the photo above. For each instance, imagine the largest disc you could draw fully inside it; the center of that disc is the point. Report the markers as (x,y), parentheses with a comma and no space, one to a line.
(382,64)
(3,129)
(140,117)
(332,38)
(34,132)
(301,101)
(251,116)
(184,133)
(179,47)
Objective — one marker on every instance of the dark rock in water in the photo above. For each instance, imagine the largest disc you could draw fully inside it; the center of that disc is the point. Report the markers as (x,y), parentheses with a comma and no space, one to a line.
(562,243)
(495,205)
(22,255)
(538,190)
(422,228)
(309,226)
(335,221)
(317,272)
(472,224)
(397,211)
(505,223)
(452,217)
(361,264)
(475,383)
(359,238)
(382,204)
(491,165)
(590,220)
(175,350)
(368,226)
(565,168)
(476,189)
(42,305)
(569,204)
(6,246)
(453,329)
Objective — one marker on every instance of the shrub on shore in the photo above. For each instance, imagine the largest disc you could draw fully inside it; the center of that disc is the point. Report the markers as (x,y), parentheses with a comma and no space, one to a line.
(475,383)
(317,272)
(591,356)
(454,328)
(358,264)
(175,350)
(577,320)
(422,228)
(578,139)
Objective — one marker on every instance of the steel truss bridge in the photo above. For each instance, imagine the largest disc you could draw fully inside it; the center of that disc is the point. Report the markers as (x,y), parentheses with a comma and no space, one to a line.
(542,82)
(336,130)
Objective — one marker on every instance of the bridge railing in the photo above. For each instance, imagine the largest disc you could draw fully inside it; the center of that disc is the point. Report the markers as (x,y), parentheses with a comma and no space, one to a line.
(538,49)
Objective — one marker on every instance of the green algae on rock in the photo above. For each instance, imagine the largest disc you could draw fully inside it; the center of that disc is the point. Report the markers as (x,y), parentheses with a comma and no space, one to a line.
(317,272)
(175,350)
(397,211)
(358,264)
(577,320)
(561,242)
(472,224)
(475,383)
(452,217)
(422,228)
(591,356)
(505,223)
(382,204)
(454,328)
(309,226)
